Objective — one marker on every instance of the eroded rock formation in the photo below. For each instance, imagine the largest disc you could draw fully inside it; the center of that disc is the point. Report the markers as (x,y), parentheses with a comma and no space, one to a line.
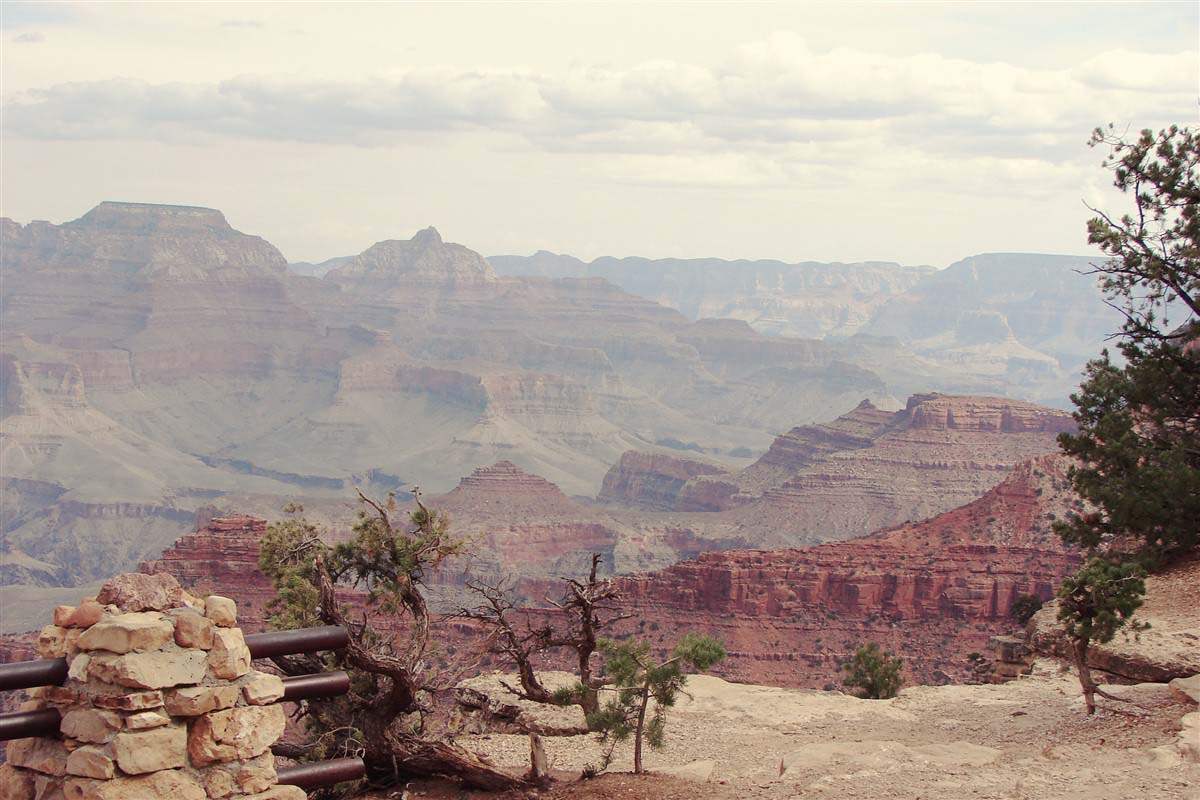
(932,591)
(866,470)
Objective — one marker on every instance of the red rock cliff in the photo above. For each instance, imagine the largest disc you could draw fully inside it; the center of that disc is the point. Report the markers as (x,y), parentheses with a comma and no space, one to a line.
(932,591)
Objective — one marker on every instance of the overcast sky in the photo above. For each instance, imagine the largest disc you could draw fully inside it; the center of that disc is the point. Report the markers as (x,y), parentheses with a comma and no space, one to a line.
(915,132)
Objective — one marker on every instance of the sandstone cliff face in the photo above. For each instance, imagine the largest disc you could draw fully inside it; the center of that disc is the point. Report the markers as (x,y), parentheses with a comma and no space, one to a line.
(221,558)
(866,470)
(932,591)
(651,480)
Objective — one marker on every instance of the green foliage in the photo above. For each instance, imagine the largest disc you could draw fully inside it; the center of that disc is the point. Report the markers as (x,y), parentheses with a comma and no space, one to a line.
(636,679)
(385,560)
(1100,599)
(286,555)
(1154,257)
(1138,444)
(388,561)
(1024,607)
(1138,447)
(874,672)
(567,695)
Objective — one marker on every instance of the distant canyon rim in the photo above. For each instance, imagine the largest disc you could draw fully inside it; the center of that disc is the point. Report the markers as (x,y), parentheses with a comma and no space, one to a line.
(160,368)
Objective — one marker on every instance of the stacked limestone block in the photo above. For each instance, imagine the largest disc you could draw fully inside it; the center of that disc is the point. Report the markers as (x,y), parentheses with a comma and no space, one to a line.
(160,702)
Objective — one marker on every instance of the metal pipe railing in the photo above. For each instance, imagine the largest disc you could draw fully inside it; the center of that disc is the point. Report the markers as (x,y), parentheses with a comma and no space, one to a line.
(322,773)
(23,724)
(323,684)
(27,674)
(300,640)
(53,671)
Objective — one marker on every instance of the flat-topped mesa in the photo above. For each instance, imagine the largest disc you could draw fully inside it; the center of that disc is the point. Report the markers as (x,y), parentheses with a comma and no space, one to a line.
(127,239)
(425,258)
(983,414)
(147,218)
(651,480)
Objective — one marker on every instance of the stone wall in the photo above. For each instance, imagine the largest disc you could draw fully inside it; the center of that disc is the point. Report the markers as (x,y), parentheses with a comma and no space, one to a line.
(160,701)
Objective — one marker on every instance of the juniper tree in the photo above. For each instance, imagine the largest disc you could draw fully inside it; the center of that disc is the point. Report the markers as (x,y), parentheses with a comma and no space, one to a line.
(393,679)
(1138,443)
(585,609)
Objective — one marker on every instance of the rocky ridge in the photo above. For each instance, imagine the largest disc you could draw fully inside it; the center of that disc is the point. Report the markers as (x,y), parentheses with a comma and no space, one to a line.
(866,470)
(807,299)
(933,591)
(157,360)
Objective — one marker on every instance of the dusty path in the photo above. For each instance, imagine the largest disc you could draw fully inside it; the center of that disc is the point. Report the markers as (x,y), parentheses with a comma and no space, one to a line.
(1025,740)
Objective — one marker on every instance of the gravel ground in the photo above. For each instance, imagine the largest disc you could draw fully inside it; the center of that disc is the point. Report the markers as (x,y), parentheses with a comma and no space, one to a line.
(1024,740)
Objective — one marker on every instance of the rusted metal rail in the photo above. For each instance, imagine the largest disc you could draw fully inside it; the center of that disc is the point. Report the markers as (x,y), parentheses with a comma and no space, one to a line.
(53,671)
(323,773)
(22,724)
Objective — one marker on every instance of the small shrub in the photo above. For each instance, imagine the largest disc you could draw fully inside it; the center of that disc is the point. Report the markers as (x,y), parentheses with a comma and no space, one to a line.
(1024,607)
(874,672)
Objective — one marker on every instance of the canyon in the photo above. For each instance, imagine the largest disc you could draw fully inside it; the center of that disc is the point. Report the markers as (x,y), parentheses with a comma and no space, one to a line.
(170,384)
(157,361)
(865,470)
(934,591)
(1011,324)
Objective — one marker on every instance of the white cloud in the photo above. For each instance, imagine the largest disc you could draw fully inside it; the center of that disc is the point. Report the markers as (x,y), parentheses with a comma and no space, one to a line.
(533,127)
(776,91)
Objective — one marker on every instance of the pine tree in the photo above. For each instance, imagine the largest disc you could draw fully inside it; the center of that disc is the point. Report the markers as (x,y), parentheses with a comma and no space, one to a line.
(637,680)
(1094,604)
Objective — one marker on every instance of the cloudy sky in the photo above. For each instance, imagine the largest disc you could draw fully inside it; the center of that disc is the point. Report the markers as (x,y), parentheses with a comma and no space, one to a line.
(911,132)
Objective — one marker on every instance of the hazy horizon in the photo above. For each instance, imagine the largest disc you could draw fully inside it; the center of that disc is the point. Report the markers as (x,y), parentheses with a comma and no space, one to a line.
(920,134)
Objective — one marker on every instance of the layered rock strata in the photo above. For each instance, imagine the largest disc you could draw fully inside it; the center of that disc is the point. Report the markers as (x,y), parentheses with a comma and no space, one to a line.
(221,557)
(160,701)
(866,470)
(933,592)
(652,480)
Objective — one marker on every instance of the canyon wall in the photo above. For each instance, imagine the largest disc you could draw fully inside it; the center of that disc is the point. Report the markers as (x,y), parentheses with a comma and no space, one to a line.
(866,470)
(932,591)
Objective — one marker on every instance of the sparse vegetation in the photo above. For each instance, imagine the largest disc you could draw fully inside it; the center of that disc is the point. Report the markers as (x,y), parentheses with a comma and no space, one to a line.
(1095,603)
(875,673)
(393,680)
(636,680)
(1138,444)
(588,606)
(1139,423)
(1024,607)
